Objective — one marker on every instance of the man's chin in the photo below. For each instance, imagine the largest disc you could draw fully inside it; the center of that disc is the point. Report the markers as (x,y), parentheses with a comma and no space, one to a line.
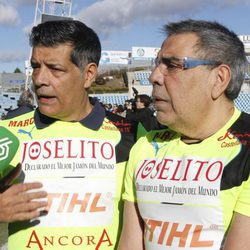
(48,111)
(162,117)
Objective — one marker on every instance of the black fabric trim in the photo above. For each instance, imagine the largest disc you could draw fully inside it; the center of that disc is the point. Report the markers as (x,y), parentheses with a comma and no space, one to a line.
(128,131)
(93,120)
(238,170)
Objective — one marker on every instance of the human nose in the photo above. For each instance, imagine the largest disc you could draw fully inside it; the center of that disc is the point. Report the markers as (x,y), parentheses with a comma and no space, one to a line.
(155,76)
(40,76)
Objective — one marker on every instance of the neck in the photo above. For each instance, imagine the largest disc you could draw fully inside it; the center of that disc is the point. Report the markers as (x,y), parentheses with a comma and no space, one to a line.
(209,126)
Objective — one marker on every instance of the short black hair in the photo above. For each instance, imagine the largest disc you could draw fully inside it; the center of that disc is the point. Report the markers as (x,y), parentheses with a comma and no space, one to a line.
(145,99)
(85,42)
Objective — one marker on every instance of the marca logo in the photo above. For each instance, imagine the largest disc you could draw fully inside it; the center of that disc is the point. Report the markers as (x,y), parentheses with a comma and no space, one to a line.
(22,123)
(8,147)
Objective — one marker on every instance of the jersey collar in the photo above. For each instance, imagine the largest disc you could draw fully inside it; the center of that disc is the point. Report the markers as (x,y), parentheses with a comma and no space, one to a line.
(93,120)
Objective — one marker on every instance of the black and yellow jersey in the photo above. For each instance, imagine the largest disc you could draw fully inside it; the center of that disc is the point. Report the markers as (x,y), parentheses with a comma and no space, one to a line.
(187,194)
(81,165)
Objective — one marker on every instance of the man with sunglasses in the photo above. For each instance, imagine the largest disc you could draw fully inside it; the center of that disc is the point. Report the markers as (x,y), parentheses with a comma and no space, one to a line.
(188,186)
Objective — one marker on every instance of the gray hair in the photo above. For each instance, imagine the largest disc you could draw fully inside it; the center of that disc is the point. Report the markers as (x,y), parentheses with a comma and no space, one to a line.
(217,43)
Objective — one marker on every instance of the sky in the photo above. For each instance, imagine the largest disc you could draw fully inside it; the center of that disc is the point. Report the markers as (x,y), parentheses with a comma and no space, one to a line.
(120,24)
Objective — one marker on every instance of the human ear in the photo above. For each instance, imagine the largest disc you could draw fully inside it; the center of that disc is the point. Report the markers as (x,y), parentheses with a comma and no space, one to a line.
(221,81)
(89,75)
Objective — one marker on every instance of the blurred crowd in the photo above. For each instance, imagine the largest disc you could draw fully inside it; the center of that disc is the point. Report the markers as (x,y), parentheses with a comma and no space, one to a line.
(139,109)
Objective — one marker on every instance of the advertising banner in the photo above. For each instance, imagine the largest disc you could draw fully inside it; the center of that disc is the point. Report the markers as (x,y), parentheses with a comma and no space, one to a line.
(115,57)
(144,53)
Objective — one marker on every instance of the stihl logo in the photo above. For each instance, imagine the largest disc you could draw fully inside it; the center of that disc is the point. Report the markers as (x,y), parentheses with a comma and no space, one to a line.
(68,202)
(177,234)
(4,148)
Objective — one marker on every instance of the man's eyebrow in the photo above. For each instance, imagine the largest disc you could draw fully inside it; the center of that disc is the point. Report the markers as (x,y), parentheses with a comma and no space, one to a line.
(53,64)
(50,64)
(33,62)
(171,58)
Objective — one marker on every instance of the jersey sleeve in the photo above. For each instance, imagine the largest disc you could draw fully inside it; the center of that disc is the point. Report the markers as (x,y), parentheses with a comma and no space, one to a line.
(243,202)
(129,180)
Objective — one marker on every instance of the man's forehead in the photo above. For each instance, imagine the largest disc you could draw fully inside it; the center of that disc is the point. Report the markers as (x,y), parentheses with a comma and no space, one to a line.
(179,45)
(51,54)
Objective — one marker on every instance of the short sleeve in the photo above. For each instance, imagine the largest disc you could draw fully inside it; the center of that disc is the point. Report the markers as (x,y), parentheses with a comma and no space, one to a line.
(243,202)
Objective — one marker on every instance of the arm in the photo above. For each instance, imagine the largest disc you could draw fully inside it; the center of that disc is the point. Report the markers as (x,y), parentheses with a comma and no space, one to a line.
(132,231)
(238,234)
(17,202)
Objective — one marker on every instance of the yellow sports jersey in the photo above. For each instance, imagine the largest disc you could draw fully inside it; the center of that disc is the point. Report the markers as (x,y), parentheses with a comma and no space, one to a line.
(81,165)
(187,194)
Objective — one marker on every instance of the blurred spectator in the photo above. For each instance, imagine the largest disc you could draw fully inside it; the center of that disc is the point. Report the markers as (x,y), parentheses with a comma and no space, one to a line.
(3,116)
(114,108)
(121,111)
(108,107)
(142,113)
(25,104)
(126,104)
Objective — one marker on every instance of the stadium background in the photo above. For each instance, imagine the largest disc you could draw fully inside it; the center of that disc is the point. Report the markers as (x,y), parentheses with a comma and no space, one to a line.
(121,73)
